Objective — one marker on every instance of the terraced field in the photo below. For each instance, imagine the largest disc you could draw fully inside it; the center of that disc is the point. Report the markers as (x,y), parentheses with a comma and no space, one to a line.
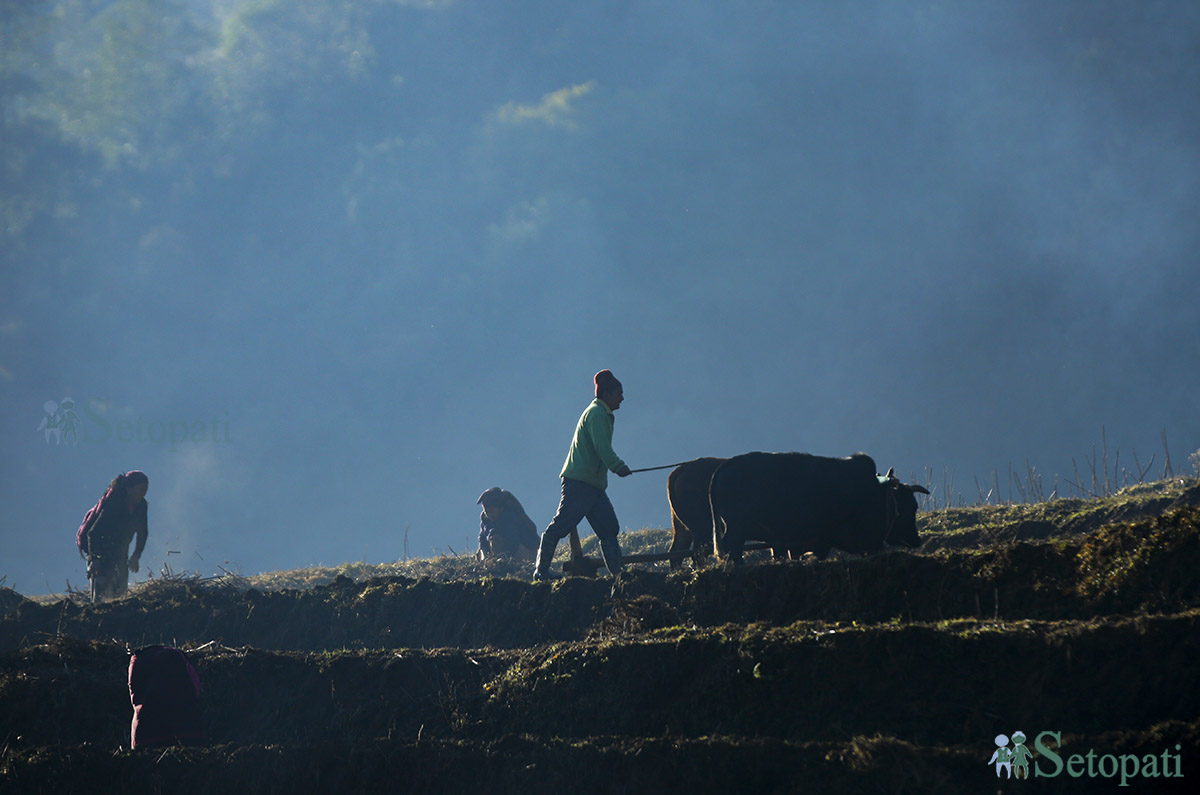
(1074,622)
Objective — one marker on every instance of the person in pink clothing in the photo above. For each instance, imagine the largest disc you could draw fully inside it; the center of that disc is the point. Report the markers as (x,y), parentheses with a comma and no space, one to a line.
(164,690)
(119,517)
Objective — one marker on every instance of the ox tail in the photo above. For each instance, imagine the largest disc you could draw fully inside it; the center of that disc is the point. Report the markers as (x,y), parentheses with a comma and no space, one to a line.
(719,526)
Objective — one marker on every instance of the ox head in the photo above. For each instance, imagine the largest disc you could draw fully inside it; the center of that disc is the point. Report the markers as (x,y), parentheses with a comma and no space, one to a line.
(901,511)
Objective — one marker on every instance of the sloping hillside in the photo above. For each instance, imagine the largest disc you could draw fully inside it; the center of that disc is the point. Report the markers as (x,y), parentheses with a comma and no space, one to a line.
(889,673)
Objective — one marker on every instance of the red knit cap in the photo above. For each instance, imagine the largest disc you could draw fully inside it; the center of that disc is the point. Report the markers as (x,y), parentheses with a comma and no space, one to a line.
(606,382)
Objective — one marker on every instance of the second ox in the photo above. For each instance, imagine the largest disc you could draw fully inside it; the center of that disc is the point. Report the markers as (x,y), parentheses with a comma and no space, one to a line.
(691,514)
(807,503)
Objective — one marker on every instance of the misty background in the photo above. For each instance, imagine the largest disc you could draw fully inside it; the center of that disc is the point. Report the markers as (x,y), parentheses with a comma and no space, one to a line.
(326,270)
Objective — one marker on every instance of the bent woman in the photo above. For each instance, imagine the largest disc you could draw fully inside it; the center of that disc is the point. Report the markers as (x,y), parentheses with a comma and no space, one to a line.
(116,519)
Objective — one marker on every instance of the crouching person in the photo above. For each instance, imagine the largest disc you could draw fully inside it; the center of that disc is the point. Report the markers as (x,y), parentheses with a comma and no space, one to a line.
(505,530)
(165,692)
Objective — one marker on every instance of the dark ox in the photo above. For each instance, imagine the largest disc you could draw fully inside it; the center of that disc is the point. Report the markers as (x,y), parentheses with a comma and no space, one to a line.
(691,514)
(806,503)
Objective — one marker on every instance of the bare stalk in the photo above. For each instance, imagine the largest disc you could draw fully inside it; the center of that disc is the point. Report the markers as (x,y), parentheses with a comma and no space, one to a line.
(1141,478)
(1035,482)
(1091,462)
(1014,480)
(983,499)
(1104,442)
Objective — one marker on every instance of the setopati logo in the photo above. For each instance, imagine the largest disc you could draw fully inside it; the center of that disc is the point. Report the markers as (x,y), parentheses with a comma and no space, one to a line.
(1012,760)
(61,424)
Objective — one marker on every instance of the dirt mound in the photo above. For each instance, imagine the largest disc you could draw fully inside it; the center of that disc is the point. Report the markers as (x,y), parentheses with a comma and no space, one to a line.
(598,766)
(978,526)
(1126,568)
(9,600)
(910,707)
(508,764)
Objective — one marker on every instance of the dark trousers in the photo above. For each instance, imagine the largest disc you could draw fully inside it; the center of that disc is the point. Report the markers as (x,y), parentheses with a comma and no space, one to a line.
(583,501)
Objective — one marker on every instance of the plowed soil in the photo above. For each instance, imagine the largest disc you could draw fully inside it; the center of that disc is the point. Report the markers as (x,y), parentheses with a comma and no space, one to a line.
(887,673)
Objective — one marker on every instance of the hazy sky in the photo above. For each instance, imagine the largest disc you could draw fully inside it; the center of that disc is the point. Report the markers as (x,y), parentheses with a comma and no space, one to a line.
(343,279)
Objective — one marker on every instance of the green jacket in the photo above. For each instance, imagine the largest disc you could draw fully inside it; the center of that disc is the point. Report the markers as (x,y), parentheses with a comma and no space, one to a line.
(591,455)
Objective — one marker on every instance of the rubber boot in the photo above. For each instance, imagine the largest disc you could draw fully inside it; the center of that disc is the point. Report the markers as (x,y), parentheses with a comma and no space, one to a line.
(611,551)
(545,555)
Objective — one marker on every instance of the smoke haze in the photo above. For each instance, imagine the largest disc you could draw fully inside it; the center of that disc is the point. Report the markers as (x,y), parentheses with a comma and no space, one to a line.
(328,270)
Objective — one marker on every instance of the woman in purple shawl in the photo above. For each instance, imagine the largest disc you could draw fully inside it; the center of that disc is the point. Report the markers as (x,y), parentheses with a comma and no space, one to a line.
(103,539)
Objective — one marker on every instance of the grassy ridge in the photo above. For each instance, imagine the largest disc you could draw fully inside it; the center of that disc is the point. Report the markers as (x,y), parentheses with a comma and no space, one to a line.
(1126,568)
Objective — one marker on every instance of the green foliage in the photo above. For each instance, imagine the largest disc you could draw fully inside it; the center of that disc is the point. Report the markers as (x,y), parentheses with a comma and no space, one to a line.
(174,89)
(268,50)
(118,81)
(145,83)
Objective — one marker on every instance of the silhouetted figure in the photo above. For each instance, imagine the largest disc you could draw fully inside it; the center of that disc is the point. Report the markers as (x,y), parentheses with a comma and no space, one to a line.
(103,539)
(505,530)
(585,479)
(164,690)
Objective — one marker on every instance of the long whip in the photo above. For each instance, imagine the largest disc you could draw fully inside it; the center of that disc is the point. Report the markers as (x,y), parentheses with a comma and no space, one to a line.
(664,466)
